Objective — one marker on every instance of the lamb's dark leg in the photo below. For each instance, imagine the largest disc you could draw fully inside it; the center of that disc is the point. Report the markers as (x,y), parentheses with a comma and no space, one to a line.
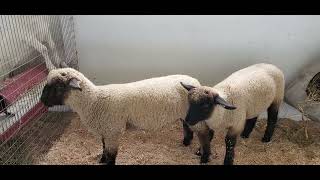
(271,123)
(230,140)
(187,134)
(107,158)
(110,144)
(103,157)
(205,138)
(110,157)
(250,123)
(210,134)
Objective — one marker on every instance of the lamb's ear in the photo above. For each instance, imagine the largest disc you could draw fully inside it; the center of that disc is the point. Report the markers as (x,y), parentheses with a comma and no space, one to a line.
(219,100)
(186,86)
(74,83)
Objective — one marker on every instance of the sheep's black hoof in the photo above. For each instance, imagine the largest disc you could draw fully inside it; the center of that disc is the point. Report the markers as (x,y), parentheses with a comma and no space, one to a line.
(107,161)
(204,159)
(110,162)
(186,142)
(228,162)
(244,136)
(103,159)
(266,139)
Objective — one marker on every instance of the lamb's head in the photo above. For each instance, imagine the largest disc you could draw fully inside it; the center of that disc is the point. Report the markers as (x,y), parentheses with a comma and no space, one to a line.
(202,101)
(59,84)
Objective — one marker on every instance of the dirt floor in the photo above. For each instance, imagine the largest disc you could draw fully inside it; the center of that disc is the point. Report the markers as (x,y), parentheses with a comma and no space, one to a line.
(72,144)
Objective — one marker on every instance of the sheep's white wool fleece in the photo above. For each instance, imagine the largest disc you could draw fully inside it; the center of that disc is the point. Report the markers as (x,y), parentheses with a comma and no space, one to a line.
(252,90)
(147,104)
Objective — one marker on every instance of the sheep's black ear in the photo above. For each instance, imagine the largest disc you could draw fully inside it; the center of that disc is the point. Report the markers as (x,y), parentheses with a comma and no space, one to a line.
(219,100)
(75,84)
(186,86)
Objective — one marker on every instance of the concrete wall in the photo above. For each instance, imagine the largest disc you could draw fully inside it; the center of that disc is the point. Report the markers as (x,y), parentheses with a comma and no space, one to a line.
(118,49)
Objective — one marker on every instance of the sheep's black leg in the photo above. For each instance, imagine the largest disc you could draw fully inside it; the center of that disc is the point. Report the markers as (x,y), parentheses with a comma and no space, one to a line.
(210,134)
(110,151)
(103,157)
(271,123)
(205,150)
(187,134)
(230,141)
(250,123)
(109,158)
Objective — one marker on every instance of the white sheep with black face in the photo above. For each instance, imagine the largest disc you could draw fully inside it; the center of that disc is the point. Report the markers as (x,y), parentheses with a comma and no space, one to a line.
(235,103)
(106,110)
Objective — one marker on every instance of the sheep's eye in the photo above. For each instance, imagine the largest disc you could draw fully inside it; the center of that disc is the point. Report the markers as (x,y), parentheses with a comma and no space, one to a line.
(206,92)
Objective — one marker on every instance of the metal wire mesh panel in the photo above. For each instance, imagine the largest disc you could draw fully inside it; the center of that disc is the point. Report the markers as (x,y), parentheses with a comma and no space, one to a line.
(30,46)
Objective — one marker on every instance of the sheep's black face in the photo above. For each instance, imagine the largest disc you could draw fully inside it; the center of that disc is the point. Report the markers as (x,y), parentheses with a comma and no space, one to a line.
(199,111)
(202,101)
(54,94)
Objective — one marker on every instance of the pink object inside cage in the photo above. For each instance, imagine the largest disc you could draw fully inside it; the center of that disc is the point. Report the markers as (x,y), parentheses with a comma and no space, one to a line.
(17,86)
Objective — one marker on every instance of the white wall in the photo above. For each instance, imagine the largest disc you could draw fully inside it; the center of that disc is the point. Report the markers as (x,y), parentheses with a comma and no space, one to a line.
(117,49)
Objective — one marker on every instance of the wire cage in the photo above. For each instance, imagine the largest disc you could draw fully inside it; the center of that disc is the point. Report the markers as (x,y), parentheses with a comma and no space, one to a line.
(30,46)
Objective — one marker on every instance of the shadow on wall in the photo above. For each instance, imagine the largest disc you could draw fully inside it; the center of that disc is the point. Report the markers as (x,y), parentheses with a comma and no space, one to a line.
(309,66)
(296,93)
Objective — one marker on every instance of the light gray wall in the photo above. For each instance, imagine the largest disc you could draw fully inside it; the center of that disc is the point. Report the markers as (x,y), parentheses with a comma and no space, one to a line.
(118,49)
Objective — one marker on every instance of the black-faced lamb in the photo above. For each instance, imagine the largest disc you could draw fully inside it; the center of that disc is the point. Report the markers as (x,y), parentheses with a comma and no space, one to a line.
(235,103)
(106,110)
